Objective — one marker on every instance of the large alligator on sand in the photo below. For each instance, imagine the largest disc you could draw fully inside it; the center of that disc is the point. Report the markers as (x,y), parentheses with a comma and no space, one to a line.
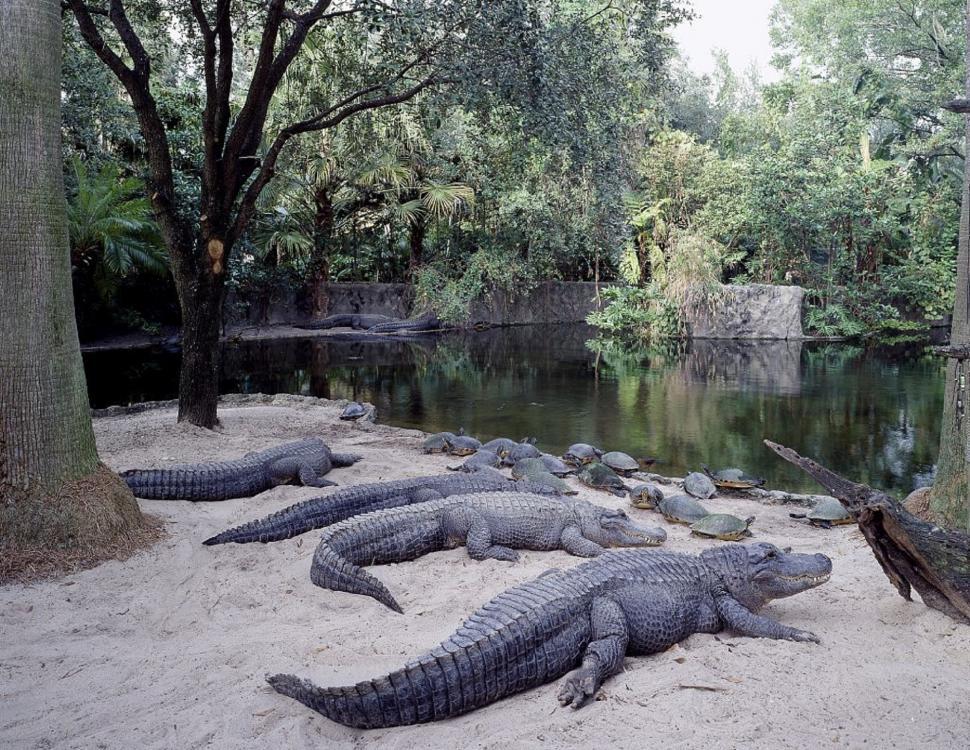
(491,525)
(585,619)
(303,462)
(351,501)
(358,321)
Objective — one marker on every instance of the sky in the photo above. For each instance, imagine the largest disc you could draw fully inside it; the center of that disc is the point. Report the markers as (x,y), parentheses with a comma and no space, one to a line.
(739,27)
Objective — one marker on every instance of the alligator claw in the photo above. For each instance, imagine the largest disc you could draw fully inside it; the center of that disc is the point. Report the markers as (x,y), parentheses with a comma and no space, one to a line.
(804,636)
(578,688)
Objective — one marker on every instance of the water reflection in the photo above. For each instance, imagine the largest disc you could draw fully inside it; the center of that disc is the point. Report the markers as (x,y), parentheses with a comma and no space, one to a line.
(873,414)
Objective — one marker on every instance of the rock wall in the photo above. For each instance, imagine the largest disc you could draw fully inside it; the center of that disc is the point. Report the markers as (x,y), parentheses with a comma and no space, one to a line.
(751,311)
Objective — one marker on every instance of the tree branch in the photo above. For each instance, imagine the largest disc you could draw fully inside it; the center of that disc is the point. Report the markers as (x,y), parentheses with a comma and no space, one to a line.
(337,114)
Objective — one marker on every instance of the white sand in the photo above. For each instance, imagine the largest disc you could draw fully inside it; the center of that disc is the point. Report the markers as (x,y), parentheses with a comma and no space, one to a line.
(169,649)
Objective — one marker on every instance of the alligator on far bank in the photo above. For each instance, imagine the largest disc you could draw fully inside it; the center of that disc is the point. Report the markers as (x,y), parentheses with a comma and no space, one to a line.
(491,525)
(363,498)
(585,619)
(303,462)
(428,321)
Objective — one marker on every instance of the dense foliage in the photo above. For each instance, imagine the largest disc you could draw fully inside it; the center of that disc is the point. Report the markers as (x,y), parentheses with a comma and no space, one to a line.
(549,153)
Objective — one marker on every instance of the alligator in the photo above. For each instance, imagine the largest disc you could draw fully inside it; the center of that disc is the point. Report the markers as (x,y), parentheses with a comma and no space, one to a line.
(491,525)
(428,321)
(358,321)
(363,498)
(578,622)
(303,461)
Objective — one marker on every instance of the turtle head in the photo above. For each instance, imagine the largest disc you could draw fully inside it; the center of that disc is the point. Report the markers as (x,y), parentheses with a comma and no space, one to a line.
(614,528)
(757,573)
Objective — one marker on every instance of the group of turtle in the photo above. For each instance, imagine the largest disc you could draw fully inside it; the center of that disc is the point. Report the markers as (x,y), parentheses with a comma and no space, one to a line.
(606,471)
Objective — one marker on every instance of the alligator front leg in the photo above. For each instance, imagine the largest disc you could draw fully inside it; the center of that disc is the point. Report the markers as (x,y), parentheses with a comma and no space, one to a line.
(573,541)
(479,540)
(309,478)
(743,621)
(289,469)
(603,656)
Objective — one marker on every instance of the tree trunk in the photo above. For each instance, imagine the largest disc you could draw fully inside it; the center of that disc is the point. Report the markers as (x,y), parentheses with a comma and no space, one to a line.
(416,241)
(54,494)
(323,220)
(201,295)
(950,498)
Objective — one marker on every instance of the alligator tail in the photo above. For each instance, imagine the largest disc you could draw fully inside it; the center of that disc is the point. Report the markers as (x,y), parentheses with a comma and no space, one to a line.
(198,483)
(331,571)
(416,694)
(308,515)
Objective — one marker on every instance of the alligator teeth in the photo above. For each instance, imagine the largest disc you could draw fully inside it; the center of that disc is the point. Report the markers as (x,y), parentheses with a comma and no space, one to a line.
(813,579)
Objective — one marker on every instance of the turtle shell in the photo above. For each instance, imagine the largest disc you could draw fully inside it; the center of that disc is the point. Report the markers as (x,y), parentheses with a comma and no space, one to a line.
(463,445)
(620,462)
(682,509)
(353,410)
(829,511)
(645,496)
(501,446)
(722,526)
(581,453)
(520,451)
(438,443)
(733,479)
(699,485)
(526,467)
(554,465)
(602,477)
(538,475)
(479,458)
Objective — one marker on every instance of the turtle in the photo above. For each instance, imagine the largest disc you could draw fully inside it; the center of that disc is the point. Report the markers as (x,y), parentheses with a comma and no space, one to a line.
(581,453)
(555,465)
(353,410)
(601,477)
(682,509)
(645,496)
(722,526)
(699,485)
(438,443)
(733,479)
(479,458)
(501,446)
(827,512)
(521,450)
(620,462)
(463,445)
(534,470)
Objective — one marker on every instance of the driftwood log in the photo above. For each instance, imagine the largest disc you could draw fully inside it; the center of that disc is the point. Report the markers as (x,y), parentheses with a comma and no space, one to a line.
(913,553)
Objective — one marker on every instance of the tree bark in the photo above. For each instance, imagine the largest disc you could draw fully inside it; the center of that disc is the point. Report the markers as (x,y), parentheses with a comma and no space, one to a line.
(46,440)
(950,498)
(323,224)
(913,553)
(416,241)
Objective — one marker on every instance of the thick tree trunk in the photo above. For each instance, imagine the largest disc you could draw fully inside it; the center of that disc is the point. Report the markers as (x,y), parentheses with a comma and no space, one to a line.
(416,241)
(950,498)
(53,492)
(201,294)
(323,222)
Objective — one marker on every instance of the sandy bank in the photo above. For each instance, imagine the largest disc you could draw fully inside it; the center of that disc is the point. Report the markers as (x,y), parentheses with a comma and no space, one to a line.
(169,648)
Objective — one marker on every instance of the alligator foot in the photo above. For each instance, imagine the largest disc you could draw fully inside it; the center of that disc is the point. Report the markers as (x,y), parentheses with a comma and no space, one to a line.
(579,687)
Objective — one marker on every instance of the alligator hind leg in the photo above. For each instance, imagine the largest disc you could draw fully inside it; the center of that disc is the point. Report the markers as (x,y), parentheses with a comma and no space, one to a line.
(289,469)
(309,478)
(603,656)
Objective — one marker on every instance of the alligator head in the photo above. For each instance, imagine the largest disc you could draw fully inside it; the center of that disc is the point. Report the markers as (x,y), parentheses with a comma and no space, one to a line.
(757,573)
(613,528)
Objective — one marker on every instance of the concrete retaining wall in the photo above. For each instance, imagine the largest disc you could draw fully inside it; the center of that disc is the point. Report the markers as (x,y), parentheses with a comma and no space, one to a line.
(751,311)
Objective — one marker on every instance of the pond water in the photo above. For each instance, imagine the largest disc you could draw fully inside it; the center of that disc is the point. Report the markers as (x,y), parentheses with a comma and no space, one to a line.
(870,413)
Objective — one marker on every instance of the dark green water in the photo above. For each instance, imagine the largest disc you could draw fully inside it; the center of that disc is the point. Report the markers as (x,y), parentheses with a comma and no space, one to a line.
(872,414)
